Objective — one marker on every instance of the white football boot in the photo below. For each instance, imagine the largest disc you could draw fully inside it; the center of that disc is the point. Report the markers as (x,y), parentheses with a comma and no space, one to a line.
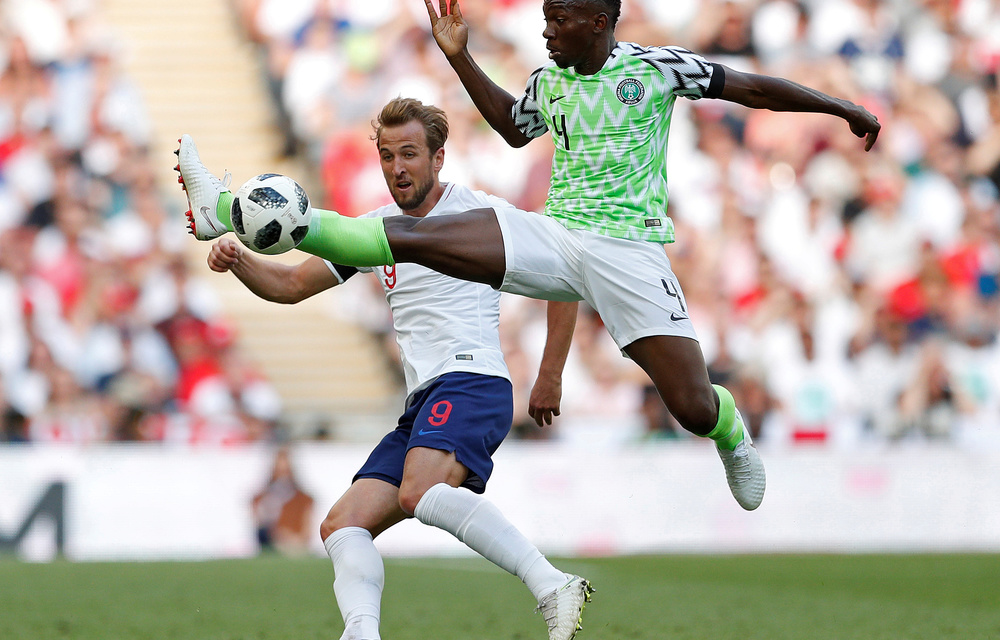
(354,631)
(202,189)
(744,470)
(563,608)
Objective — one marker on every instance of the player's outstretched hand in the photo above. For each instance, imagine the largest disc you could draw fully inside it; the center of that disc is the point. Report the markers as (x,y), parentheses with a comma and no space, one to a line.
(863,124)
(543,403)
(449,28)
(225,255)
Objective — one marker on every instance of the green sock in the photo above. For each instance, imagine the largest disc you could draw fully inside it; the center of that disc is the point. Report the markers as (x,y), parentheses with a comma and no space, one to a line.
(224,207)
(352,242)
(728,431)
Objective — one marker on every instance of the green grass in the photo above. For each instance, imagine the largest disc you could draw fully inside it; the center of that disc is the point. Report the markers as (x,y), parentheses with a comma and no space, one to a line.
(868,597)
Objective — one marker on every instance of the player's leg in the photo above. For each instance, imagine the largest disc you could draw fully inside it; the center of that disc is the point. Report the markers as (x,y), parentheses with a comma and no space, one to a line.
(348,241)
(467,246)
(425,468)
(209,198)
(431,491)
(676,366)
(366,509)
(509,249)
(480,525)
(461,420)
(641,303)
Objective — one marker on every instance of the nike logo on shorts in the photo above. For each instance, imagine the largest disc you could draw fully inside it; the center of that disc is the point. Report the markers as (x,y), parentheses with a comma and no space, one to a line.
(555,99)
(676,317)
(424,432)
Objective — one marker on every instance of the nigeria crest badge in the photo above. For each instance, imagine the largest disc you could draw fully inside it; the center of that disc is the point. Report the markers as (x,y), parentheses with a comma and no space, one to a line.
(630,91)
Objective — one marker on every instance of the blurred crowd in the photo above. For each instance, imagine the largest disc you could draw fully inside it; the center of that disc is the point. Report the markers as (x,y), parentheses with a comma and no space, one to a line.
(104,336)
(841,295)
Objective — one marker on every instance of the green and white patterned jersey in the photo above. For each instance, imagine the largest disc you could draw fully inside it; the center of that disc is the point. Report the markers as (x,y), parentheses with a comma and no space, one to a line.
(610,129)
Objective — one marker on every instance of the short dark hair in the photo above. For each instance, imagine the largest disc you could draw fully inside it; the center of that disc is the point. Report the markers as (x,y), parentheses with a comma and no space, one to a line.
(399,111)
(614,8)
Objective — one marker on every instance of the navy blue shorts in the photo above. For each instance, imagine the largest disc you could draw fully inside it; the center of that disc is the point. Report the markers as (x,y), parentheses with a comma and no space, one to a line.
(468,413)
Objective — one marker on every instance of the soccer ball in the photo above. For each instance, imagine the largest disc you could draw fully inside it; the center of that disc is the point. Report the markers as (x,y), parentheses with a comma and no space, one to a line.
(271,213)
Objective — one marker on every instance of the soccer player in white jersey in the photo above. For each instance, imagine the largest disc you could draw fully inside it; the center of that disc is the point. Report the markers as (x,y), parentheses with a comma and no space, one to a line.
(608,106)
(459,397)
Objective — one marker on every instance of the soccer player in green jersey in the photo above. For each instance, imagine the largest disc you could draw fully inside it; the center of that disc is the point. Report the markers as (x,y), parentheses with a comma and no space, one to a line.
(608,105)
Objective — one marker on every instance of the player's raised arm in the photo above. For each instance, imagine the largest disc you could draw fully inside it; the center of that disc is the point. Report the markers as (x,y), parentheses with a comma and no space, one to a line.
(451,32)
(777,94)
(269,280)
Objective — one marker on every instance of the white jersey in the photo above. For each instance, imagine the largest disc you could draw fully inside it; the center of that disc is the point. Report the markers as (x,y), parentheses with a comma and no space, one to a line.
(442,324)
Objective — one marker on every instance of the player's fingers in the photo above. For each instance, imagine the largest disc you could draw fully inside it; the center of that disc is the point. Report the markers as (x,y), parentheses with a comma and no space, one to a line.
(443,6)
(455,9)
(870,141)
(544,417)
(541,414)
(431,11)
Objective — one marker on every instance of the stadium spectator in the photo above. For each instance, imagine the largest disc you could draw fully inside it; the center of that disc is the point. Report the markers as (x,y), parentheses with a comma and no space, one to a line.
(934,402)
(883,365)
(282,510)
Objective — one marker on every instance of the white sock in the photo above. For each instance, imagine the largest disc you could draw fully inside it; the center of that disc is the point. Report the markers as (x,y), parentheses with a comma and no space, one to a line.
(359,578)
(480,525)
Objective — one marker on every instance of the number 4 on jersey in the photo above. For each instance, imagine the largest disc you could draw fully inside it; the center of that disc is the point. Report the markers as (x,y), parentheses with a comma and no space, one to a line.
(561,130)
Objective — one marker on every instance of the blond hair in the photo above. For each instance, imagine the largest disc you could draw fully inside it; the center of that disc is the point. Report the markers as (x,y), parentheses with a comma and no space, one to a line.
(400,111)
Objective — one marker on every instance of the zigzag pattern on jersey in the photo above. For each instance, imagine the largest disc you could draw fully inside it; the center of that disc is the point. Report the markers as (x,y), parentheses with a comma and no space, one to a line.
(690,72)
(525,111)
(612,179)
(603,180)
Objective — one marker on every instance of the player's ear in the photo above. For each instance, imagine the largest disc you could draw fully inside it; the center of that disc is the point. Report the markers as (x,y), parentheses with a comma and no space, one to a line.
(439,159)
(601,22)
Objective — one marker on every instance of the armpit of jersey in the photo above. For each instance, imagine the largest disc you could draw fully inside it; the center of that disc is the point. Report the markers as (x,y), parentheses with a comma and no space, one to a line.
(527,117)
(687,73)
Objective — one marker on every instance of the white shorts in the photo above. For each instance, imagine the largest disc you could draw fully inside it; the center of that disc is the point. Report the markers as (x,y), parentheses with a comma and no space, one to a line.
(628,282)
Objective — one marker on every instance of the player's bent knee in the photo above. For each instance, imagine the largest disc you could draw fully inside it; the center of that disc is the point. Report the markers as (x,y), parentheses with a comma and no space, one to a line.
(331,523)
(698,414)
(409,496)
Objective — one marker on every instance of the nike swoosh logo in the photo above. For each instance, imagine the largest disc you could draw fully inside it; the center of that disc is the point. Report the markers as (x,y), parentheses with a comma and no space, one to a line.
(676,317)
(555,99)
(204,214)
(422,432)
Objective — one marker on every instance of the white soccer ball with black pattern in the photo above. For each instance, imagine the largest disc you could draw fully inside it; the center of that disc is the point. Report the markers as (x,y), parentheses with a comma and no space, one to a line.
(271,213)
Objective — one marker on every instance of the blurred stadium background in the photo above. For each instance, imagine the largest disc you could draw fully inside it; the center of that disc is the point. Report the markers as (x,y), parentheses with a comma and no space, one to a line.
(849,300)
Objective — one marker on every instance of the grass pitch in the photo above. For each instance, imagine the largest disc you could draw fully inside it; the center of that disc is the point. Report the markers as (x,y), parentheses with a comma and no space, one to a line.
(868,597)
